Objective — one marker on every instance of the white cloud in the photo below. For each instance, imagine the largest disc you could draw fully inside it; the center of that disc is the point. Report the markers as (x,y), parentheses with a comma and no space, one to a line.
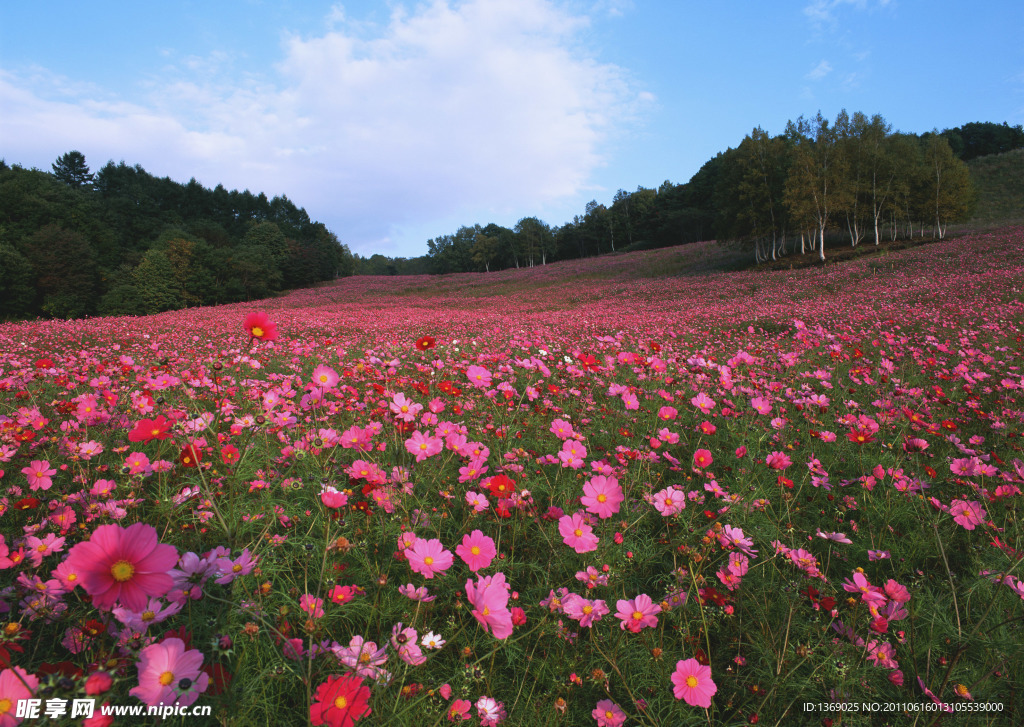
(819,71)
(452,108)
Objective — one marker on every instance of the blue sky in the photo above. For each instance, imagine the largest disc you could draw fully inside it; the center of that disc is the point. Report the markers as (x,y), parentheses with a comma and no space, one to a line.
(396,122)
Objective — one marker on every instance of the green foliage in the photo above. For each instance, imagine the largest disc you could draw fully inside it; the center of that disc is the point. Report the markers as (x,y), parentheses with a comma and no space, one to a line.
(999,182)
(72,169)
(16,279)
(222,246)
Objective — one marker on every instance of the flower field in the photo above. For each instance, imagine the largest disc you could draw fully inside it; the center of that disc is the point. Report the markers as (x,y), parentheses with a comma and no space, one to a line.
(630,490)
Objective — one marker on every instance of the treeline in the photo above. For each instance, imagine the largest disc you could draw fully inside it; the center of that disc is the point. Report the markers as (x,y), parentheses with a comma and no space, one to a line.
(852,178)
(121,241)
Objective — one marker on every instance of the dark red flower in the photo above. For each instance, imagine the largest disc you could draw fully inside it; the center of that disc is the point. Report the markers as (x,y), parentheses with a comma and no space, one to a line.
(426,342)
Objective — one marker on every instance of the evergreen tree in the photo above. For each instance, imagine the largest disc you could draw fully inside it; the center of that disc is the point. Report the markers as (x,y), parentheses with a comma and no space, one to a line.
(72,169)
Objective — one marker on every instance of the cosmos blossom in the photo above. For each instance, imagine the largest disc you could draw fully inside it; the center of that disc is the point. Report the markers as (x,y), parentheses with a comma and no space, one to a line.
(170,674)
(428,557)
(691,682)
(123,565)
(489,598)
(259,326)
(637,613)
(577,534)
(341,701)
(602,496)
(477,550)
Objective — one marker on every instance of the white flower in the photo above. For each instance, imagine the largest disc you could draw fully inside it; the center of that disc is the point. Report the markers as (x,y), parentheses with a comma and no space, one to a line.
(432,641)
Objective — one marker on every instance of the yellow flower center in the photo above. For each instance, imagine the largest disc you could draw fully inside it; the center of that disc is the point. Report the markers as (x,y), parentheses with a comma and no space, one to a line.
(428,560)
(257,331)
(588,609)
(148,615)
(577,532)
(341,703)
(72,576)
(475,550)
(166,679)
(691,681)
(364,658)
(41,548)
(608,714)
(5,705)
(486,611)
(122,571)
(637,615)
(668,501)
(236,568)
(602,497)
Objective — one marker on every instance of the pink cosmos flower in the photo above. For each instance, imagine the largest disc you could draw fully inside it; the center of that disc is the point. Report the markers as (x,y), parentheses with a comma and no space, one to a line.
(124,565)
(692,682)
(325,377)
(703,402)
(761,405)
(577,534)
(362,656)
(637,613)
(702,458)
(477,501)
(608,714)
(312,605)
(477,550)
(38,474)
(778,461)
(15,684)
(602,496)
(669,501)
(489,598)
(479,376)
(423,446)
(332,498)
(168,674)
(259,325)
(967,514)
(428,557)
(459,710)
(584,610)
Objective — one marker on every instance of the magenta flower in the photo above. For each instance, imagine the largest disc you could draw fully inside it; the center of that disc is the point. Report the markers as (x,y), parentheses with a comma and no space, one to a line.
(577,534)
(637,613)
(692,682)
(608,714)
(702,458)
(124,565)
(38,474)
(669,501)
(489,598)
(332,498)
(477,550)
(602,496)
(778,461)
(168,674)
(422,446)
(584,610)
(428,557)
(479,376)
(15,685)
(967,514)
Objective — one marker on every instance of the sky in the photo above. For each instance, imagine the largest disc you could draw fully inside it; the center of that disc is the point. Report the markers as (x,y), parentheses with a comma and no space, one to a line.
(396,122)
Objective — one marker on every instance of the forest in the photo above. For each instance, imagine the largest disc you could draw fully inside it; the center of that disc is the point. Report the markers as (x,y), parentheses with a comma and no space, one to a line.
(120,241)
(74,243)
(845,181)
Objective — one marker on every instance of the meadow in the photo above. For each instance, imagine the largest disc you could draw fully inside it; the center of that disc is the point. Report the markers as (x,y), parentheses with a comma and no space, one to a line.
(639,489)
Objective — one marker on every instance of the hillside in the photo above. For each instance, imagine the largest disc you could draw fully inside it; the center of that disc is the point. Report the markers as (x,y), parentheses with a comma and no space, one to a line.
(999,182)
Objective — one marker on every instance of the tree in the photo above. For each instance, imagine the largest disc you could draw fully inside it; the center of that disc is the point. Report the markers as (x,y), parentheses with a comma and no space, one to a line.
(156,283)
(949,185)
(65,271)
(485,249)
(72,169)
(818,173)
(17,290)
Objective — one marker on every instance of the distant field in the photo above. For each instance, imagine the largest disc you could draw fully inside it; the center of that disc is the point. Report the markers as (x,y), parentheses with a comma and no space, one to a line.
(645,488)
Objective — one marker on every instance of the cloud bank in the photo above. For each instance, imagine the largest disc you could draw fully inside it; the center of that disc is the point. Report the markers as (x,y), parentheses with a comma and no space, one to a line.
(478,107)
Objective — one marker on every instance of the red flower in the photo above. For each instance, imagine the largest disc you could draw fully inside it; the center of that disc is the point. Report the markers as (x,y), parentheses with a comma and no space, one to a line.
(230,454)
(149,429)
(190,456)
(425,343)
(44,363)
(860,436)
(501,486)
(340,701)
(259,326)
